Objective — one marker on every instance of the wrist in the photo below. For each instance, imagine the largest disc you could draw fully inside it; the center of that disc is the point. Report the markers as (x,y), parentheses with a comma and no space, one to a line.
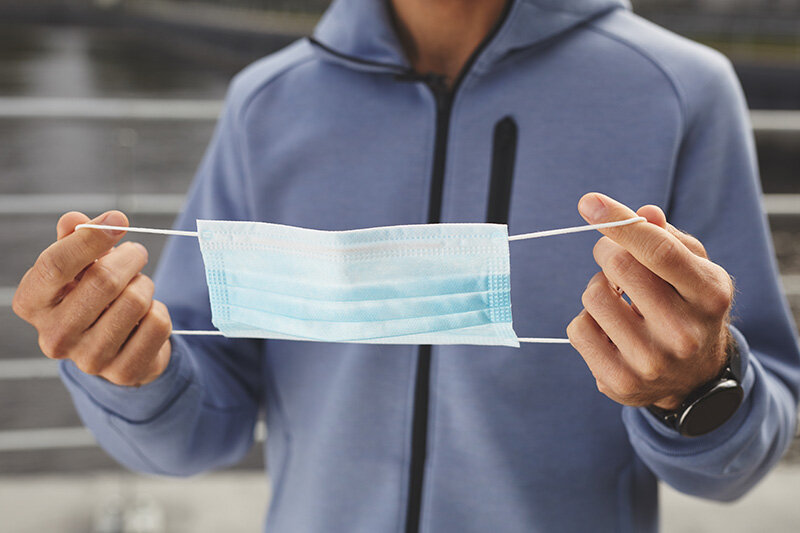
(711,404)
(720,356)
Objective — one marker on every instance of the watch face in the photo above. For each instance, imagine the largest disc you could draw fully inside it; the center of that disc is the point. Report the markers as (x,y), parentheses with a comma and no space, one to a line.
(712,409)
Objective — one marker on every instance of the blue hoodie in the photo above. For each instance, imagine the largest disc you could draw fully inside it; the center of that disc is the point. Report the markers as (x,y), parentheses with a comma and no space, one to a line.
(564,97)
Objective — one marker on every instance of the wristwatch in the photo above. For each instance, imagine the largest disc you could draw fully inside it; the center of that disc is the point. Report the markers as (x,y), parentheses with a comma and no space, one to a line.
(710,405)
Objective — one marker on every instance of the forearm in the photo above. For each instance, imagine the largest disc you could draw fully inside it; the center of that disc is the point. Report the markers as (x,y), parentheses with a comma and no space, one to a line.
(194,417)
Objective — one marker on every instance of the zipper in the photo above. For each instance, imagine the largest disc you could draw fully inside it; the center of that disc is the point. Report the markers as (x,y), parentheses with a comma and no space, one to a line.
(422,382)
(504,154)
(419,424)
(444,102)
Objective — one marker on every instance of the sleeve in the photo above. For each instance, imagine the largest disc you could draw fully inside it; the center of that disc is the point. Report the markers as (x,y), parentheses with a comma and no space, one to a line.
(716,196)
(201,412)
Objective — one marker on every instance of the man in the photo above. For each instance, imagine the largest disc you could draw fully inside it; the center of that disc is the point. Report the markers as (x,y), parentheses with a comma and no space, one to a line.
(462,111)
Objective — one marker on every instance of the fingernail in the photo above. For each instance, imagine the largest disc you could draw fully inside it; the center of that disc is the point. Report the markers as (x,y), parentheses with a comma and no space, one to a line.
(592,208)
(114,218)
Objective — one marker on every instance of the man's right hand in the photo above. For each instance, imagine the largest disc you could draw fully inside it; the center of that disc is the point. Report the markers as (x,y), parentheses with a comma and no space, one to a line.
(90,303)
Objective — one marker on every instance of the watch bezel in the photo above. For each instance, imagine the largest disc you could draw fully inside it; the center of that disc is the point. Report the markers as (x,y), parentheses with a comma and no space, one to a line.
(685,423)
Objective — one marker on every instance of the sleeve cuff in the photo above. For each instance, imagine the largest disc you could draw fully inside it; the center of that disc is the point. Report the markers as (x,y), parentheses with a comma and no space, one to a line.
(646,426)
(135,404)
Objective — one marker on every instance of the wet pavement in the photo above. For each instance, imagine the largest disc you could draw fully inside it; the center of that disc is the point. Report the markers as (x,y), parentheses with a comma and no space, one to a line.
(120,158)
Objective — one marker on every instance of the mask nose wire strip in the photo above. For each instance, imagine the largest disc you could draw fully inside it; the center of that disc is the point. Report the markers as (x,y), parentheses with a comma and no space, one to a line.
(524,236)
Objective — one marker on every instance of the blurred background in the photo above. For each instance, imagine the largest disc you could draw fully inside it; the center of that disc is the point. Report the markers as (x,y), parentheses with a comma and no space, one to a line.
(110,104)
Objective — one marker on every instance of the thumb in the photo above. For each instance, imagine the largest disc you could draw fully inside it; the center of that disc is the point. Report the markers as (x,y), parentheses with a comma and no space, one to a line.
(67,222)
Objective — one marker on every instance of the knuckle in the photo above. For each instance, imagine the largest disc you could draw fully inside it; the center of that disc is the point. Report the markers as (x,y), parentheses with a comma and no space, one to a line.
(54,343)
(162,324)
(593,296)
(146,284)
(49,266)
(575,329)
(102,279)
(578,329)
(572,328)
(19,304)
(719,298)
(135,302)
(651,369)
(664,252)
(108,340)
(621,264)
(684,343)
(700,249)
(626,388)
(93,363)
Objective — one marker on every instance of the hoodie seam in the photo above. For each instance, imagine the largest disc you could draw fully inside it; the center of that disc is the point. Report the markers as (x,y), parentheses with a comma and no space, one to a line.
(240,118)
(155,415)
(156,469)
(255,91)
(663,69)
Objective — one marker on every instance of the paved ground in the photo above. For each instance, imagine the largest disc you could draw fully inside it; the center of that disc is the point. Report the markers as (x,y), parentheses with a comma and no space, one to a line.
(120,158)
(235,503)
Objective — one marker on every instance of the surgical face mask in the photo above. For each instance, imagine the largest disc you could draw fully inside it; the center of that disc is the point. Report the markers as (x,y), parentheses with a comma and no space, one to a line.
(415,284)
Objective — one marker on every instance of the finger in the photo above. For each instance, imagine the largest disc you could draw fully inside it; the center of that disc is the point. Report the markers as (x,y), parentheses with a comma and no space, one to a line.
(101,343)
(656,216)
(66,224)
(63,260)
(650,294)
(146,353)
(603,359)
(100,285)
(614,316)
(653,246)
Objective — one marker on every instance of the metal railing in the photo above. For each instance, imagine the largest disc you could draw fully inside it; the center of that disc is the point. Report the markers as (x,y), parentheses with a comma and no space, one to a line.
(28,368)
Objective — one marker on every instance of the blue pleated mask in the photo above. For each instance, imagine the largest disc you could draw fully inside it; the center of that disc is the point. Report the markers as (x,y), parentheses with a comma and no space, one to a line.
(416,284)
(421,284)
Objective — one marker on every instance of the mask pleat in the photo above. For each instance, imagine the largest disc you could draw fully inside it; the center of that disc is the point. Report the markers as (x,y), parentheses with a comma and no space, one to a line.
(344,332)
(336,290)
(437,284)
(356,310)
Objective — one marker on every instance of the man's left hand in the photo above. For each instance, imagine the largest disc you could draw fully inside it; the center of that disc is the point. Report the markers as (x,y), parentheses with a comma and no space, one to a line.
(672,336)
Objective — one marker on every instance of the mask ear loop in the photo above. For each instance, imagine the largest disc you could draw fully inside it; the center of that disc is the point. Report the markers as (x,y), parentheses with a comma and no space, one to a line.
(564,231)
(521,237)
(179,233)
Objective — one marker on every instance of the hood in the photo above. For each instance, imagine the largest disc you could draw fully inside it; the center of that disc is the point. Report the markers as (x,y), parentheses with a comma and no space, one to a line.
(362,30)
